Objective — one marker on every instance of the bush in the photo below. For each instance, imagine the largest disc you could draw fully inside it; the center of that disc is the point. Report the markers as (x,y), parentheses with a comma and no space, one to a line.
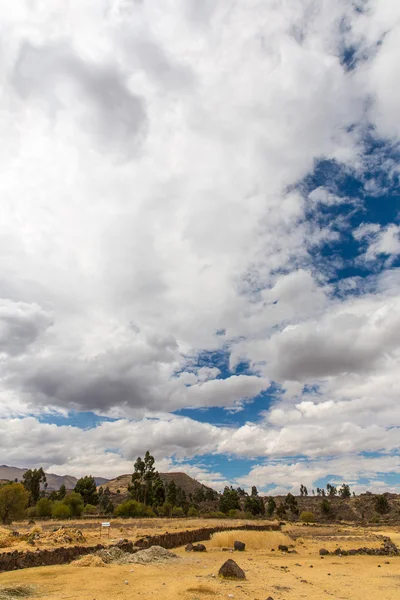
(60,510)
(193,512)
(216,515)
(177,511)
(74,501)
(89,509)
(233,513)
(376,520)
(43,507)
(382,505)
(307,516)
(325,507)
(31,512)
(166,509)
(132,508)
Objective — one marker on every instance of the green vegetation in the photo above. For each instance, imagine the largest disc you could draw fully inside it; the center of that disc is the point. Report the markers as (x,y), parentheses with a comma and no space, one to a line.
(32,481)
(14,499)
(86,487)
(382,505)
(60,510)
(307,516)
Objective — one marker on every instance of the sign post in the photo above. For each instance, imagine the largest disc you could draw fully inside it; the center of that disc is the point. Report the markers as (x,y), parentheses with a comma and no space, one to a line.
(107,525)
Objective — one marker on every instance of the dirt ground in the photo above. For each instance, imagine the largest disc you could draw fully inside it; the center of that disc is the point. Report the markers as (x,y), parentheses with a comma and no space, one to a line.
(268,573)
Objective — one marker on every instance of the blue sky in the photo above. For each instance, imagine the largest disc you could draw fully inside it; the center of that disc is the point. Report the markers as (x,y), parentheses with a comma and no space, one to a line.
(200,241)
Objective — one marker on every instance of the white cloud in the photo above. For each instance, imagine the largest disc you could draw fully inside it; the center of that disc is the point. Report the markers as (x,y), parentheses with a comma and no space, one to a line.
(147,153)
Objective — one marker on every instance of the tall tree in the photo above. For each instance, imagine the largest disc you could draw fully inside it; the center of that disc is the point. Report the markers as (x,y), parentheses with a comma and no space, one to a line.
(171,493)
(229,500)
(32,480)
(86,487)
(143,479)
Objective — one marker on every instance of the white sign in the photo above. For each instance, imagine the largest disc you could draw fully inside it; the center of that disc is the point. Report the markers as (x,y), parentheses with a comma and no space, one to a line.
(105,524)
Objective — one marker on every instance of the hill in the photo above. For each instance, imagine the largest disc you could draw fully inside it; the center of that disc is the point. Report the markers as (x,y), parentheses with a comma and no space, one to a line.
(54,482)
(187,483)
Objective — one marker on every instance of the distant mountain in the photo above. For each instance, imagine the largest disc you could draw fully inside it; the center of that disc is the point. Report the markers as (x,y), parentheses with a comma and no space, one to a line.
(54,482)
(187,483)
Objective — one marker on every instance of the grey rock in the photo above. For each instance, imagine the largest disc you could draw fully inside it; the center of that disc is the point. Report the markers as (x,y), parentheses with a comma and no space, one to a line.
(240,546)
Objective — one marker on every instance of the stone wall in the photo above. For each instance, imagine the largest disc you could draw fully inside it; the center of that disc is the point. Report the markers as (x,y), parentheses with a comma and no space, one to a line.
(10,561)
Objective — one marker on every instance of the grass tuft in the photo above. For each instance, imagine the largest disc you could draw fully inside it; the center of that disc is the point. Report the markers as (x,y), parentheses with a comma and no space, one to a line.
(16,591)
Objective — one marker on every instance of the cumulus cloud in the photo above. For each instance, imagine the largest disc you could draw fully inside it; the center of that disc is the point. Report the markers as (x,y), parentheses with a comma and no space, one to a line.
(150,165)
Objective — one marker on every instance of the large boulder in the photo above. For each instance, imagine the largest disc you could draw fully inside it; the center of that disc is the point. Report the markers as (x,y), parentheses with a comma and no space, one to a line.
(240,546)
(283,548)
(323,552)
(231,570)
(189,548)
(199,548)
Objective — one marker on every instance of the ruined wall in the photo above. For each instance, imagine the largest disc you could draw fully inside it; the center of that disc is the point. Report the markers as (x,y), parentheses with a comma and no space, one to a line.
(10,561)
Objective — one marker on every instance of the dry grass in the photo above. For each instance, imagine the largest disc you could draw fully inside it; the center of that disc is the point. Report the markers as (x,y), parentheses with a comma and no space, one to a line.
(16,591)
(90,561)
(6,539)
(255,540)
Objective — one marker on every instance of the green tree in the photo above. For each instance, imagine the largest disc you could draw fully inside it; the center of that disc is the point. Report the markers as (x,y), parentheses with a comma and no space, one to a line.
(158,491)
(344,491)
(62,492)
(254,491)
(326,508)
(291,504)
(143,479)
(171,494)
(199,495)
(331,489)
(303,490)
(131,508)
(210,495)
(271,506)
(105,503)
(86,487)
(254,504)
(281,511)
(14,499)
(229,500)
(382,504)
(74,501)
(60,510)
(32,480)
(43,507)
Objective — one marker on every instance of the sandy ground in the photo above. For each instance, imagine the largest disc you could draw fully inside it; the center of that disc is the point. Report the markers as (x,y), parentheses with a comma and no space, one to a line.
(195,576)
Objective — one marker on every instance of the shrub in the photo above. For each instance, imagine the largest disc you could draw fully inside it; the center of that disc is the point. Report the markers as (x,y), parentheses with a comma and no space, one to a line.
(233,513)
(193,512)
(31,512)
(376,519)
(325,507)
(307,516)
(60,510)
(43,507)
(89,509)
(177,511)
(166,509)
(74,501)
(132,508)
(216,515)
(382,505)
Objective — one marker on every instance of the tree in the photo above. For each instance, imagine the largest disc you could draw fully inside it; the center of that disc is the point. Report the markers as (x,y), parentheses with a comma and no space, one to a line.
(143,478)
(74,501)
(199,495)
(344,491)
(382,504)
(291,504)
(105,504)
(229,500)
(303,490)
(14,499)
(281,511)
(171,493)
(32,480)
(254,505)
(271,506)
(62,492)
(43,507)
(331,489)
(86,487)
(158,491)
(254,491)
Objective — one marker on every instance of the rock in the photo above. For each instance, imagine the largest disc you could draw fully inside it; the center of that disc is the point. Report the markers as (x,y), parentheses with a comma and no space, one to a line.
(231,570)
(283,548)
(270,598)
(323,552)
(337,551)
(239,546)
(199,548)
(189,548)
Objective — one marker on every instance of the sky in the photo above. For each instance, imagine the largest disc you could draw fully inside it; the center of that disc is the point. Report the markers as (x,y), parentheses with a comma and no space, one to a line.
(200,239)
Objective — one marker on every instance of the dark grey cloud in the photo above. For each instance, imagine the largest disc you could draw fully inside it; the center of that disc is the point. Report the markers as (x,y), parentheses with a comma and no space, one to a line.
(62,79)
(21,324)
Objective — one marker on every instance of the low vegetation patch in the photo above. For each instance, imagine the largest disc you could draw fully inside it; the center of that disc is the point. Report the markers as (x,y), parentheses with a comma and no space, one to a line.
(16,591)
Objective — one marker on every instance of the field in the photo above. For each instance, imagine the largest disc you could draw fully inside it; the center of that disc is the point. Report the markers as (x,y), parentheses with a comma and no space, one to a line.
(269,572)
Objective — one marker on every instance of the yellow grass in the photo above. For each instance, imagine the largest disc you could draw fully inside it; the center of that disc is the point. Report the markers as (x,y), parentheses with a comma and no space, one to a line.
(255,540)
(6,539)
(90,561)
(201,589)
